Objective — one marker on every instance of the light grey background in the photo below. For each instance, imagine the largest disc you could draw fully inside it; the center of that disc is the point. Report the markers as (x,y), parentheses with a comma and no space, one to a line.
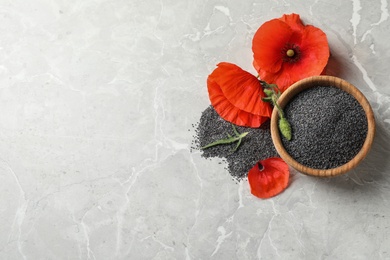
(97,102)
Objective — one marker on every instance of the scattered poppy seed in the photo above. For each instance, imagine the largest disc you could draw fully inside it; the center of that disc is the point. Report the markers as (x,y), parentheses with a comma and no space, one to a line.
(257,145)
(329,127)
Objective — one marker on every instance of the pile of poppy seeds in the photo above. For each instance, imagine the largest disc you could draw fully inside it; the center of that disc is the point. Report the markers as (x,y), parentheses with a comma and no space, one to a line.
(256,145)
(329,127)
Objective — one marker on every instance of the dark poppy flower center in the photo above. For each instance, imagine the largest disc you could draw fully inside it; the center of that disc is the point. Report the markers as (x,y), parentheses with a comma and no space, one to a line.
(291,53)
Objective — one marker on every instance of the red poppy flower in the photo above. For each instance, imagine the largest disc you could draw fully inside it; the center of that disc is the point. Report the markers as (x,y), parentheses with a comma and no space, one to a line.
(268,177)
(286,51)
(236,96)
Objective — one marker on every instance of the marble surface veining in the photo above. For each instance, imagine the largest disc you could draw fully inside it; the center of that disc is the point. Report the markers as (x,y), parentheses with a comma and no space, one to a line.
(98,99)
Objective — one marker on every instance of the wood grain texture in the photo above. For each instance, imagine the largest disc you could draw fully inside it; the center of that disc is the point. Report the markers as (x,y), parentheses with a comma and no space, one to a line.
(323,81)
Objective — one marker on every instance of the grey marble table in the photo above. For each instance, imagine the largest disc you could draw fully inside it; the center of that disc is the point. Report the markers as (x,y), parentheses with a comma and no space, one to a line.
(97,101)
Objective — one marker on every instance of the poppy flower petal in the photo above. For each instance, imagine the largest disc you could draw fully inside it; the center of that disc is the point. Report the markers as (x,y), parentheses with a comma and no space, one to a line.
(228,111)
(283,80)
(293,20)
(268,42)
(268,177)
(236,96)
(242,89)
(315,47)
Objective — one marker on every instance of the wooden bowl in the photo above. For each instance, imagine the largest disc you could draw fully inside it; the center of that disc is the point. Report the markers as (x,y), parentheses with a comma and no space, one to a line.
(323,81)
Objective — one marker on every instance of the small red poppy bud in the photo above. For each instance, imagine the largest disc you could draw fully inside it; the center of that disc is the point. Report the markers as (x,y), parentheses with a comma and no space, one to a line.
(285,128)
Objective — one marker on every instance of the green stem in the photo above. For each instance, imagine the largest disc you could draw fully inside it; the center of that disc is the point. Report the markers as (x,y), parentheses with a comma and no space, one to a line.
(275,103)
(273,93)
(230,139)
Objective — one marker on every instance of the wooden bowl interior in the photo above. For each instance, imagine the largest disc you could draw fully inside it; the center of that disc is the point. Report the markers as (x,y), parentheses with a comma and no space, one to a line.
(323,81)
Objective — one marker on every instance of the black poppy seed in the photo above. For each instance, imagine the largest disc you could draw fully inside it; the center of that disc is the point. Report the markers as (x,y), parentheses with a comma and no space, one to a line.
(329,127)
(257,145)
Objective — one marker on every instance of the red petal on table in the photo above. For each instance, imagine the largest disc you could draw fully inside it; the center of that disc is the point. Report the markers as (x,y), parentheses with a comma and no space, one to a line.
(228,111)
(242,89)
(268,177)
(236,96)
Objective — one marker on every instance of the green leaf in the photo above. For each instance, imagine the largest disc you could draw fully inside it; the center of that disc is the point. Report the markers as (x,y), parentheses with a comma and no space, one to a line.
(237,137)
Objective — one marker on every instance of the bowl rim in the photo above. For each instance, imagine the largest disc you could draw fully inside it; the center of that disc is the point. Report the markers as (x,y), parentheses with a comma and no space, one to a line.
(323,81)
